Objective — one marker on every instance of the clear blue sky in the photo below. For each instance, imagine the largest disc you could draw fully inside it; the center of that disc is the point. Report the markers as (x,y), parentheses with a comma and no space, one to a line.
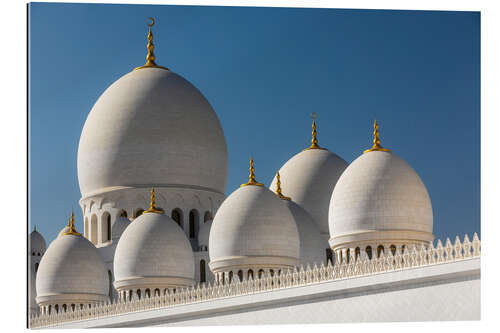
(264,70)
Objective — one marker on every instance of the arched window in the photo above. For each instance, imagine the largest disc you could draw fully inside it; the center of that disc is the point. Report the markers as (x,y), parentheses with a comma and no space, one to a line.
(138,293)
(106,227)
(138,212)
(271,272)
(240,275)
(357,252)
(348,256)
(329,256)
(261,272)
(193,223)
(403,249)
(38,254)
(368,251)
(36,267)
(223,277)
(73,307)
(177,217)
(393,249)
(231,276)
(86,227)
(56,307)
(64,307)
(380,250)
(109,227)
(250,274)
(122,213)
(93,229)
(110,280)
(207,216)
(147,293)
(157,292)
(130,295)
(50,309)
(202,271)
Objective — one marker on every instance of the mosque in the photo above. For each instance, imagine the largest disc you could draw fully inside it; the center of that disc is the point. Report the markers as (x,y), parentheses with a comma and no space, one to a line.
(152,170)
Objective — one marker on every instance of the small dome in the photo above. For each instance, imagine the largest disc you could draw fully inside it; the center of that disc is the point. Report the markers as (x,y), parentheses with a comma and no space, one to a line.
(379,197)
(153,252)
(37,243)
(253,229)
(151,126)
(309,178)
(119,226)
(204,233)
(312,245)
(71,272)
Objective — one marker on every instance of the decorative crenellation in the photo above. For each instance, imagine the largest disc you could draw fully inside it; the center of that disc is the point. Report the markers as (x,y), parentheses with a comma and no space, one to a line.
(361,266)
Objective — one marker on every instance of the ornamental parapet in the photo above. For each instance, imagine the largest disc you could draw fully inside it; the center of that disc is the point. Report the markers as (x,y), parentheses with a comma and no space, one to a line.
(291,278)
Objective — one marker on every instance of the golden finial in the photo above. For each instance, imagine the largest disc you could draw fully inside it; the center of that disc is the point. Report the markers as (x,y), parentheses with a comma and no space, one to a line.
(314,140)
(150,58)
(152,208)
(71,225)
(376,140)
(278,188)
(251,178)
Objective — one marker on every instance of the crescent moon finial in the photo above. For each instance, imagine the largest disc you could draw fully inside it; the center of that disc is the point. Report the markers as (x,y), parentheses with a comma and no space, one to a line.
(314,140)
(150,57)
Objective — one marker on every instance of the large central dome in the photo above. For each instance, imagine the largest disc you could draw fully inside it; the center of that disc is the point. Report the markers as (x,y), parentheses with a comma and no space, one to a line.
(152,127)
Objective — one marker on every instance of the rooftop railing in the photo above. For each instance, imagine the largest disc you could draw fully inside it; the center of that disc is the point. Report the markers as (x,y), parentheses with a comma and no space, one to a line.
(355,267)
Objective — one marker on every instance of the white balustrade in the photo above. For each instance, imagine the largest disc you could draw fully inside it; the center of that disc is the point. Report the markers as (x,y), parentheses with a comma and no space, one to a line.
(353,267)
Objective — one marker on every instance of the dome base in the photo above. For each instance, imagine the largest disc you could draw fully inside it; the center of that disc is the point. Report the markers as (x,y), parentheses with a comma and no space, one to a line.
(152,283)
(255,263)
(68,299)
(370,237)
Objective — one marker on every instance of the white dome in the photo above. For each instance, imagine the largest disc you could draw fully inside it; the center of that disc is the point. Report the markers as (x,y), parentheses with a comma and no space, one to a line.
(119,226)
(253,229)
(309,178)
(71,272)
(379,197)
(153,252)
(151,126)
(204,233)
(37,243)
(312,245)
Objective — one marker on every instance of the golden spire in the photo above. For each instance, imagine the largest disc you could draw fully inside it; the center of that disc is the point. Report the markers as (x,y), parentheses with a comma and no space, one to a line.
(152,208)
(314,140)
(71,225)
(278,188)
(376,140)
(150,58)
(251,178)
